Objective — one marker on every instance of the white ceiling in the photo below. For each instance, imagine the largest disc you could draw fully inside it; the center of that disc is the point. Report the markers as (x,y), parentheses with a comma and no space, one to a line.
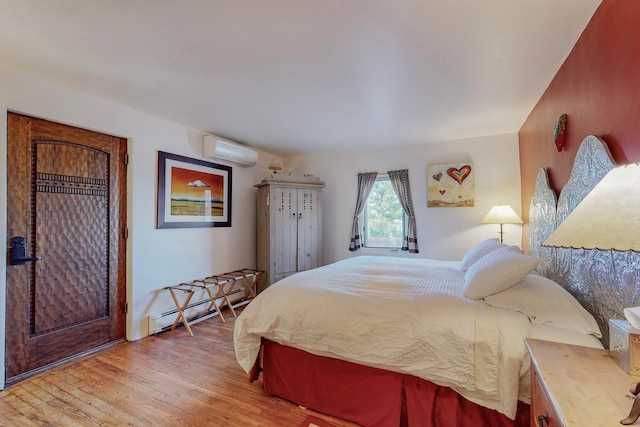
(305,76)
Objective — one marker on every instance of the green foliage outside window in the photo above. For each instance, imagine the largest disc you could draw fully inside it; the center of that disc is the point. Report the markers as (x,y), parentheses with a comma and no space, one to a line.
(384,217)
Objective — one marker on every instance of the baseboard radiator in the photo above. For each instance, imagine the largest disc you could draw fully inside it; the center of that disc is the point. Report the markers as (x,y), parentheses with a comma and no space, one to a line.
(195,312)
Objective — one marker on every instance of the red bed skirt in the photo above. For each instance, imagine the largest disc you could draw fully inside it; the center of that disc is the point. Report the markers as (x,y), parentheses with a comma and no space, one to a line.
(369,396)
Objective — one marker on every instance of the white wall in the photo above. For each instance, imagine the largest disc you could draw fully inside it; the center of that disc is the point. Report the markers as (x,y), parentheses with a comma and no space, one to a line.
(155,258)
(443,233)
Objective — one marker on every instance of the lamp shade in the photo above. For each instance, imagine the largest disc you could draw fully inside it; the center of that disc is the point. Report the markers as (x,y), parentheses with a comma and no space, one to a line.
(275,165)
(607,218)
(502,214)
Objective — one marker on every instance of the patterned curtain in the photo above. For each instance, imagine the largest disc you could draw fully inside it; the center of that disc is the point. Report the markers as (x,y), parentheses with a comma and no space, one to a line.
(400,182)
(365,184)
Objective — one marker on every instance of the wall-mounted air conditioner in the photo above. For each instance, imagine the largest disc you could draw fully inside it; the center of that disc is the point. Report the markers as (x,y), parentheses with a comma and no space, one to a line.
(219,148)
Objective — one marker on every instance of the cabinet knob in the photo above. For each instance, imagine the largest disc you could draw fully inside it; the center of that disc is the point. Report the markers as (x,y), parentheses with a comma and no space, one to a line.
(543,420)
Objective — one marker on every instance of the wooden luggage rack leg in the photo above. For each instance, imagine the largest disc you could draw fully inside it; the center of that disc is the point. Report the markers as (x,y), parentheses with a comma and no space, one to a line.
(218,282)
(181,307)
(250,279)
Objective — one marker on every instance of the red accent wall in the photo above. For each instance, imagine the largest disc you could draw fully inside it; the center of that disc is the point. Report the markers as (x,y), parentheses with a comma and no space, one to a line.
(598,88)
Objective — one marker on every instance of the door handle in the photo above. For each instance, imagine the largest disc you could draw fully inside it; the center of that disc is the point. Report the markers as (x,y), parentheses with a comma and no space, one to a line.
(18,253)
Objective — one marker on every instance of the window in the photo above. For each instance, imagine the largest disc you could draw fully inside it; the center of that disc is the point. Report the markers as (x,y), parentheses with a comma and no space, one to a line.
(384,218)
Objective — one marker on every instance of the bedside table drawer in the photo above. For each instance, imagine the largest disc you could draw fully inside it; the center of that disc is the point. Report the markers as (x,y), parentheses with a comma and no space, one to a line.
(542,412)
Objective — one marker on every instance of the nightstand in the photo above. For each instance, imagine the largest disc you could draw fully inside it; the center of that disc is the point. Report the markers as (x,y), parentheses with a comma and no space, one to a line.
(577,386)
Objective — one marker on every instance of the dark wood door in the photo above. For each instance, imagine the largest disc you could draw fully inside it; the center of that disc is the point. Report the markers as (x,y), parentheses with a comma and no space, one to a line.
(66,197)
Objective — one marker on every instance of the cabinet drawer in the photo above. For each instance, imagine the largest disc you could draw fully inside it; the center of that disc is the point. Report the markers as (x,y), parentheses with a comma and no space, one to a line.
(542,412)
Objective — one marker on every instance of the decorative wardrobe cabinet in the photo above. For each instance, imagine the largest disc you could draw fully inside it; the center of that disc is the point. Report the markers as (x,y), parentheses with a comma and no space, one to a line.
(289,225)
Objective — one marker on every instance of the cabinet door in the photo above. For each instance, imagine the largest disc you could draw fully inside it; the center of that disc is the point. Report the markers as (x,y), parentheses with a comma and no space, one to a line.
(308,229)
(296,230)
(286,231)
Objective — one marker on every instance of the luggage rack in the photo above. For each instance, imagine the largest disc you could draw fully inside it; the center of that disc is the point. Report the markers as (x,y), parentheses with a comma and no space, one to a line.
(215,287)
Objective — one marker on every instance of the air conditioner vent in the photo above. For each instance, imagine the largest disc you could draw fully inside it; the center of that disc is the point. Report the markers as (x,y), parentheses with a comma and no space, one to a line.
(219,148)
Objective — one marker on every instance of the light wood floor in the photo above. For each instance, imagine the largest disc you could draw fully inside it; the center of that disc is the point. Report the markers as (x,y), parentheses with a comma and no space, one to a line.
(170,379)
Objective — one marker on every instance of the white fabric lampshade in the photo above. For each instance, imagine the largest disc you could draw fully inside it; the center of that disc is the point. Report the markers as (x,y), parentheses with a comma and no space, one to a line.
(502,214)
(607,218)
(275,165)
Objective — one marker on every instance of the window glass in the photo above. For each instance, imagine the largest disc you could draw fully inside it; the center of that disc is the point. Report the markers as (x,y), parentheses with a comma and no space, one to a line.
(384,218)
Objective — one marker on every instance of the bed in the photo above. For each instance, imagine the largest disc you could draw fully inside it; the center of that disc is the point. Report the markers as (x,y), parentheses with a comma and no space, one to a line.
(379,340)
(417,348)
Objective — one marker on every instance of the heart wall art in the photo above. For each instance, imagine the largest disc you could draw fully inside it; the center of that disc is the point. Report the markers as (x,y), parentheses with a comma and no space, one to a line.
(450,185)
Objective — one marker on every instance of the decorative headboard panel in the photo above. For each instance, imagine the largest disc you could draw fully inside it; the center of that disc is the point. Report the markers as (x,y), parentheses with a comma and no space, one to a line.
(542,222)
(605,282)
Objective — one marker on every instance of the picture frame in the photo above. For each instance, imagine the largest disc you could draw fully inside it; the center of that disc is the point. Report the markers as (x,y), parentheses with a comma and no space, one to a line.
(192,193)
(450,185)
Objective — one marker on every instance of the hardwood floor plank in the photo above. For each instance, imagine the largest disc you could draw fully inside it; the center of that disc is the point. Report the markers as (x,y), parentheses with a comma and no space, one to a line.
(37,410)
(176,396)
(83,399)
(169,380)
(125,395)
(9,416)
(91,407)
(77,413)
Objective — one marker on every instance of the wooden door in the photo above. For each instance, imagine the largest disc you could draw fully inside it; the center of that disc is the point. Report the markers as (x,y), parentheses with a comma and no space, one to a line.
(66,198)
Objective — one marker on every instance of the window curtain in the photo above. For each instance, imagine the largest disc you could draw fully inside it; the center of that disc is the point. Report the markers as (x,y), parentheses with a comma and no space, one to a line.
(400,182)
(365,184)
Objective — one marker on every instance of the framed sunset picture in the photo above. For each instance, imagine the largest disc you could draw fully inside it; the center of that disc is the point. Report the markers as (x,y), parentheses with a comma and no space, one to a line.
(192,193)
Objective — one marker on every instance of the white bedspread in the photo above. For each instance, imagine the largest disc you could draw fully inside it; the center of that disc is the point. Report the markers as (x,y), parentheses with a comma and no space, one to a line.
(403,315)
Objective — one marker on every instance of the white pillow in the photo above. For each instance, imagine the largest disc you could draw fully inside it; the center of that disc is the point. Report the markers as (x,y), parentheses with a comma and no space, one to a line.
(546,302)
(478,251)
(497,271)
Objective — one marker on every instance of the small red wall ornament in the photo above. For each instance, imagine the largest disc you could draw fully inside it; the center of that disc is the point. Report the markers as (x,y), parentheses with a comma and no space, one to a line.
(560,132)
